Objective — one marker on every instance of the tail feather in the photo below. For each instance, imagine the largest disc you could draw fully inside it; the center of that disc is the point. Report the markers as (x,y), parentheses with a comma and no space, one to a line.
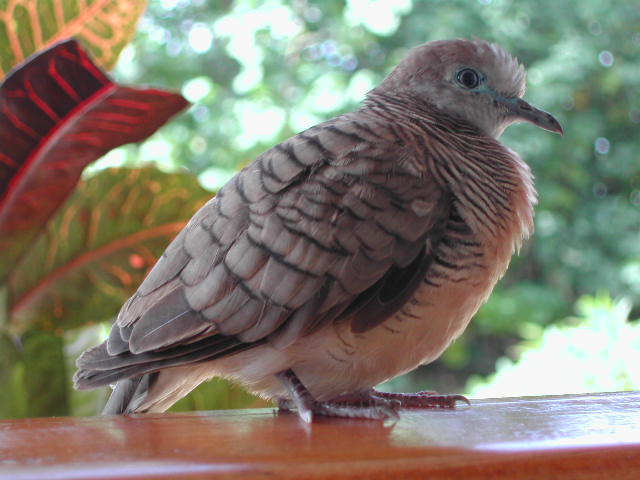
(134,374)
(99,359)
(129,394)
(95,369)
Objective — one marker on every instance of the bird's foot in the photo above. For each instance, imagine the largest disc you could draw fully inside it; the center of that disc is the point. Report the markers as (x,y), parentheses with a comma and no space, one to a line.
(364,406)
(372,404)
(425,399)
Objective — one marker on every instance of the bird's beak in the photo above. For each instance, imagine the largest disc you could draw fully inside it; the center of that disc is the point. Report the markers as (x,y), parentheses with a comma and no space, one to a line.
(525,111)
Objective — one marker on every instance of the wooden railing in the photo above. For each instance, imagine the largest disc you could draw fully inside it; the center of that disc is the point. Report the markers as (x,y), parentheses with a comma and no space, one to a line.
(567,437)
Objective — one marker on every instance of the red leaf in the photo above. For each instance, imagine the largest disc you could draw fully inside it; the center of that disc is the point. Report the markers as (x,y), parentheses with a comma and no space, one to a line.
(58,113)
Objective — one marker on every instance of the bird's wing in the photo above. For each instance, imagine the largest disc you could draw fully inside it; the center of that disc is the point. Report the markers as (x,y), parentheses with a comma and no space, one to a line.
(339,220)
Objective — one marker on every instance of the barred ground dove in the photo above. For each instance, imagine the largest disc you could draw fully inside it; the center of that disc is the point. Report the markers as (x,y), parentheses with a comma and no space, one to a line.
(343,257)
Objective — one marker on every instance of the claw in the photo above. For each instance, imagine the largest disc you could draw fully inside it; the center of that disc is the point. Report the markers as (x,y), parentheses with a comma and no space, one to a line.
(363,406)
(372,404)
(424,399)
(461,398)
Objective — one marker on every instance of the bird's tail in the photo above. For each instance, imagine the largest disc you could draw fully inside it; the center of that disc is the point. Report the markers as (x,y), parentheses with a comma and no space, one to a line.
(150,381)
(128,394)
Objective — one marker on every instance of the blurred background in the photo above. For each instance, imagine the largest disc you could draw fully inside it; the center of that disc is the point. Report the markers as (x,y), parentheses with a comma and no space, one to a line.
(563,320)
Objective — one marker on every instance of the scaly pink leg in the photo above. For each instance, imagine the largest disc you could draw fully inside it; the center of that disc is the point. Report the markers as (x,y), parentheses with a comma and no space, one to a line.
(363,405)
(371,404)
(423,399)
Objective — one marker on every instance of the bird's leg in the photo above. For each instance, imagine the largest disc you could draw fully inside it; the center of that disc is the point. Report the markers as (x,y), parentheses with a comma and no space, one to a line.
(363,406)
(300,396)
(423,399)
(285,404)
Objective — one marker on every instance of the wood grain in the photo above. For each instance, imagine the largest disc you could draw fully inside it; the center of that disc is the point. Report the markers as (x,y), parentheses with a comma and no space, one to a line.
(567,437)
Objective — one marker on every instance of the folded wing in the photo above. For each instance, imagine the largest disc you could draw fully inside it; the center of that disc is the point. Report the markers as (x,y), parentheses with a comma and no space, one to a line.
(337,222)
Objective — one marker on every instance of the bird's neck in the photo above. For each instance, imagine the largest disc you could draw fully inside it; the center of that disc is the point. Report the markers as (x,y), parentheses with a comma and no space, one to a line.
(491,185)
(415,109)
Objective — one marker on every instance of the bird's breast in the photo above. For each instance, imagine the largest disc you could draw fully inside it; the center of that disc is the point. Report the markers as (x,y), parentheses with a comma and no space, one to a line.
(335,360)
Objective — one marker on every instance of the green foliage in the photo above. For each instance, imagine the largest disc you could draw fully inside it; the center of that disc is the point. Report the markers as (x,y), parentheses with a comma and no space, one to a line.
(13,401)
(99,247)
(43,378)
(104,26)
(218,394)
(32,375)
(89,260)
(597,351)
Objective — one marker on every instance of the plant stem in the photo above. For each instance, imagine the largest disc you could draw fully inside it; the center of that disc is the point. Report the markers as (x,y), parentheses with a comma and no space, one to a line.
(4,307)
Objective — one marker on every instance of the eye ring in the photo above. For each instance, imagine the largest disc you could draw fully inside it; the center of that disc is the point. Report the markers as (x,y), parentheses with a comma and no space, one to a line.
(468,78)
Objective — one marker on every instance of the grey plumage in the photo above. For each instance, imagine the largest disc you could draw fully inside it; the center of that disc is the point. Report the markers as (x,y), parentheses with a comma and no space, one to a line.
(379,232)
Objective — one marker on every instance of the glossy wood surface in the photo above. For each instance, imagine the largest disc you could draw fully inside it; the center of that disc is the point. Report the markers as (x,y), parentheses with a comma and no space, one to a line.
(568,437)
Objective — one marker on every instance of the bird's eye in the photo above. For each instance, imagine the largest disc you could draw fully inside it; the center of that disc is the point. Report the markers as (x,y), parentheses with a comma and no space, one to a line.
(468,78)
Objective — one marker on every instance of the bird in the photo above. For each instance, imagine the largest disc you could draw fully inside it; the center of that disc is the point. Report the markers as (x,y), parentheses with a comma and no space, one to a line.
(345,256)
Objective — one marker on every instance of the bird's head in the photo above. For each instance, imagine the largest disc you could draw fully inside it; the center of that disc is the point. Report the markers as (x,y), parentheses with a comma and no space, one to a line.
(470,79)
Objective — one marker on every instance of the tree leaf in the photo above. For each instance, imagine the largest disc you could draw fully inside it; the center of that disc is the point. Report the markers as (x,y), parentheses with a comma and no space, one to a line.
(99,247)
(105,26)
(58,113)
(14,398)
(33,375)
(45,382)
